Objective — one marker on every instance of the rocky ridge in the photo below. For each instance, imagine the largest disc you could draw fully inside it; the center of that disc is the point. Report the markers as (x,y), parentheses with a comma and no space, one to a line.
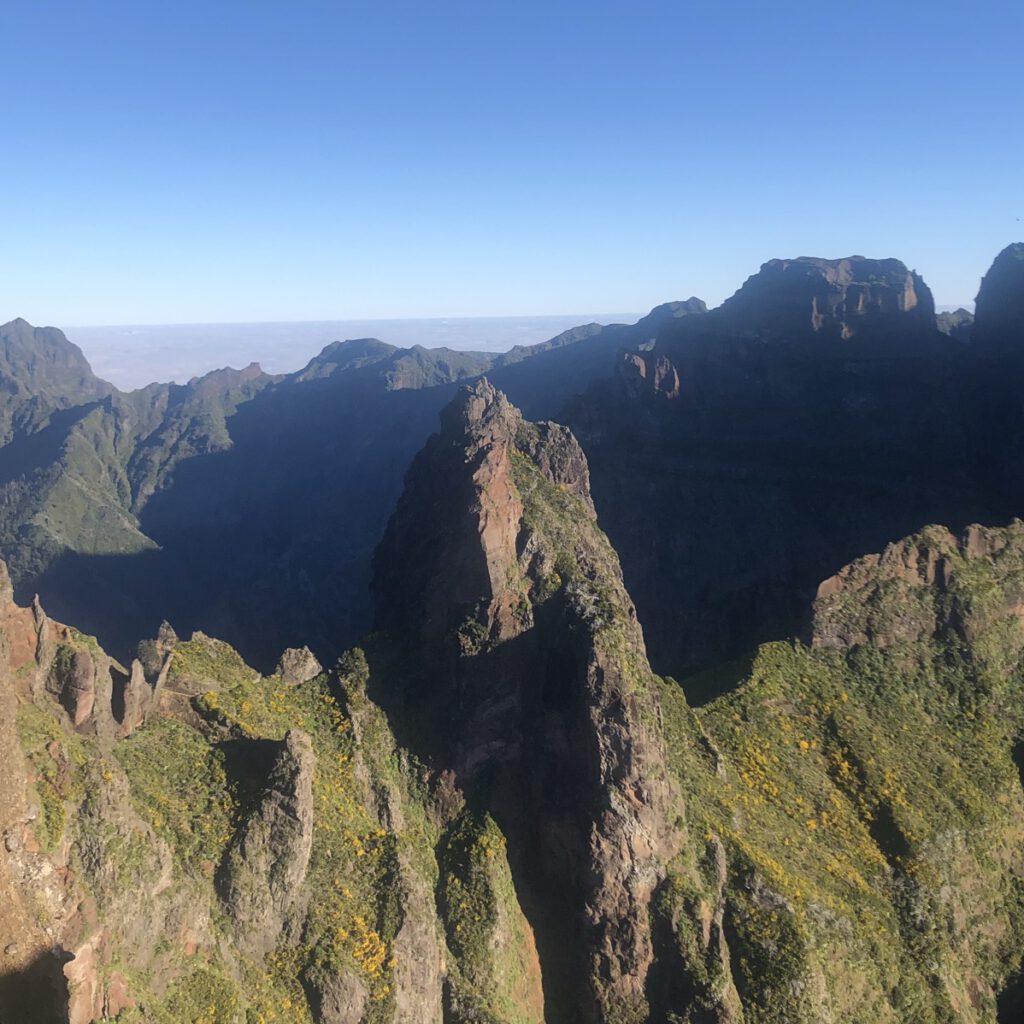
(537,729)
(824,390)
(540,828)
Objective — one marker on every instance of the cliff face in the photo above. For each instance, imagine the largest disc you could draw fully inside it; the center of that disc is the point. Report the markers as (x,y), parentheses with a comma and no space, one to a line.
(835,299)
(773,856)
(865,785)
(745,454)
(538,688)
(999,308)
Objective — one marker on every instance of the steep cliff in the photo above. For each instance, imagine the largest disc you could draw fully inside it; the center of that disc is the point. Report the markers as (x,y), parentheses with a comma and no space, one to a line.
(870,300)
(534,690)
(746,453)
(999,308)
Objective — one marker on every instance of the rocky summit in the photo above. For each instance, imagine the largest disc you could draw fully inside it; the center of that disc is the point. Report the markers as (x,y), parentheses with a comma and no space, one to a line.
(661,673)
(835,299)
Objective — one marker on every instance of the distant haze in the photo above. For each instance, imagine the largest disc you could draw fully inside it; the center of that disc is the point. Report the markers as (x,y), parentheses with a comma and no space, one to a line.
(133,356)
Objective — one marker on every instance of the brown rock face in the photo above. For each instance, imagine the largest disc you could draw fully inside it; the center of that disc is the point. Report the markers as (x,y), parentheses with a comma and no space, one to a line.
(75,677)
(6,587)
(536,676)
(17,625)
(419,960)
(450,562)
(264,869)
(86,999)
(643,372)
(138,698)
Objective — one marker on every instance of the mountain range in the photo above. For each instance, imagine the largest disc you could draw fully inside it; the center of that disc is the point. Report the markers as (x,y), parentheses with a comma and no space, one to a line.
(670,676)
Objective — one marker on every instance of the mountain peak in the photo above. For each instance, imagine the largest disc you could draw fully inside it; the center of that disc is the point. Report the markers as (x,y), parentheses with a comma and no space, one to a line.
(479,414)
(45,351)
(840,298)
(42,372)
(674,310)
(493,561)
(957,323)
(339,356)
(999,308)
(220,381)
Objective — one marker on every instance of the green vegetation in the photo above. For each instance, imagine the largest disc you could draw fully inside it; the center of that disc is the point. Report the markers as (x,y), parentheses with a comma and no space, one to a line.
(205,661)
(180,786)
(193,780)
(467,891)
(202,997)
(354,867)
(851,788)
(60,759)
(584,566)
(495,961)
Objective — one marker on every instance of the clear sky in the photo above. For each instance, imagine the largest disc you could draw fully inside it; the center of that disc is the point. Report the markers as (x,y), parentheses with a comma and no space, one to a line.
(297,159)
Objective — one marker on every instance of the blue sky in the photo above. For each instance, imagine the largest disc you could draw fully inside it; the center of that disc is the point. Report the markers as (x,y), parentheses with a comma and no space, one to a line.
(251,161)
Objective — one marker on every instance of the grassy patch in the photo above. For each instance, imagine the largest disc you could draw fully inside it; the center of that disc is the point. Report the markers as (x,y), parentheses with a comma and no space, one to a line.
(59,759)
(205,661)
(180,786)
(851,790)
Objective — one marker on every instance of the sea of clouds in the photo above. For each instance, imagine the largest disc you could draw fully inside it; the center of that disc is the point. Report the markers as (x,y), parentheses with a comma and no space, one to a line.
(133,356)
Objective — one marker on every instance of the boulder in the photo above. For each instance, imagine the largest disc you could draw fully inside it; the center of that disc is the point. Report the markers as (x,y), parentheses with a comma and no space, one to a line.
(298,665)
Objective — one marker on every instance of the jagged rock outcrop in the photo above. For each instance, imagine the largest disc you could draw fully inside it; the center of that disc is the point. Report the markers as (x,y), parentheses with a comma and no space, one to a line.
(262,876)
(74,678)
(956,323)
(493,560)
(83,876)
(161,863)
(924,587)
(298,665)
(641,372)
(438,567)
(137,699)
(6,586)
